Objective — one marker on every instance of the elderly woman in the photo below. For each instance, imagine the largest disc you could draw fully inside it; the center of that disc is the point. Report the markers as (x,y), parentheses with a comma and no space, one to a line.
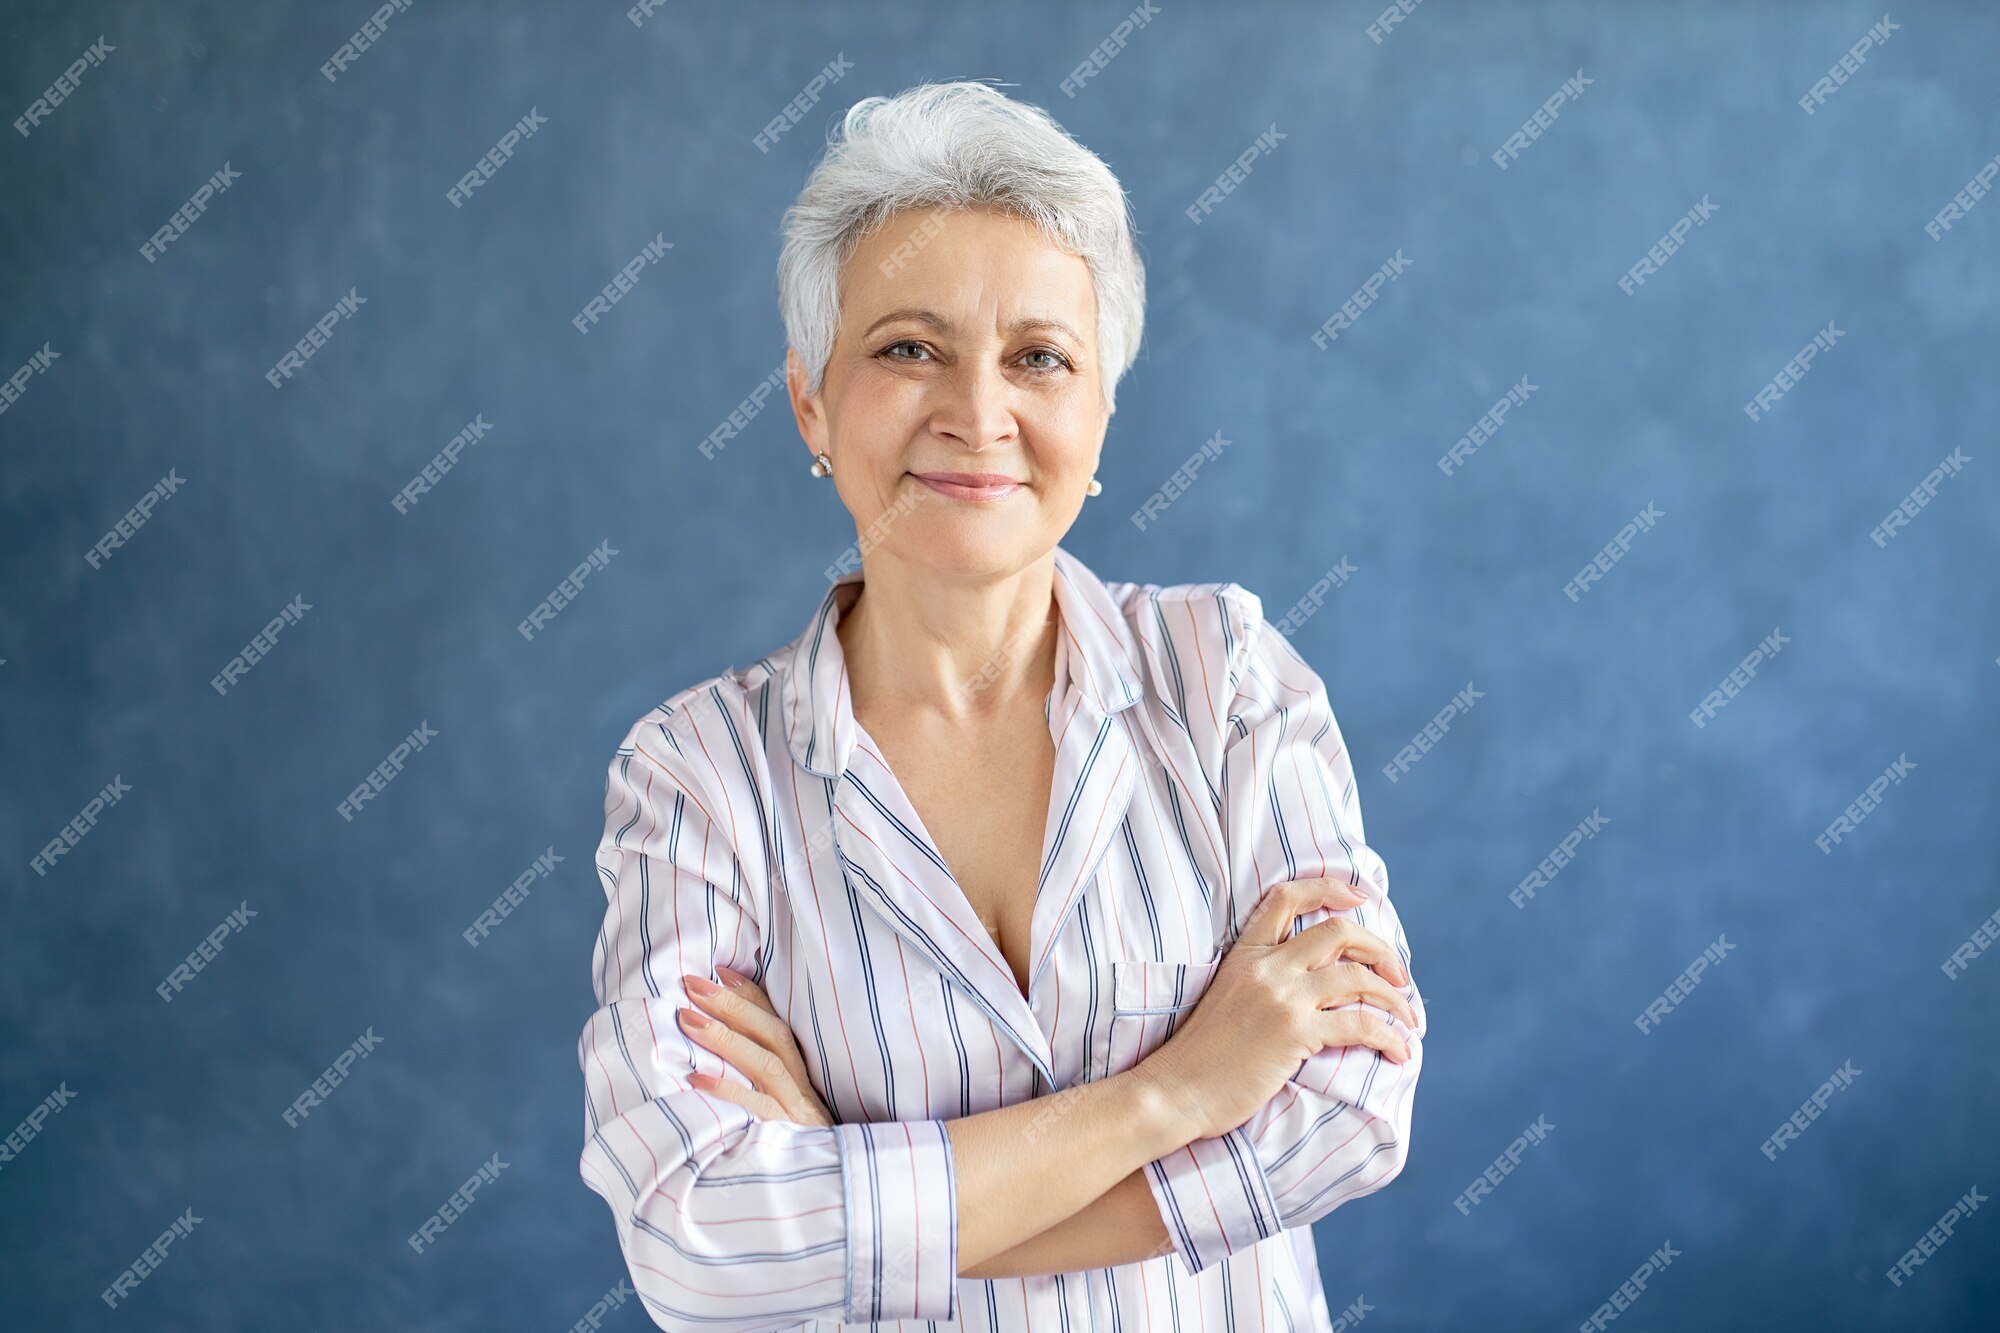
(999,866)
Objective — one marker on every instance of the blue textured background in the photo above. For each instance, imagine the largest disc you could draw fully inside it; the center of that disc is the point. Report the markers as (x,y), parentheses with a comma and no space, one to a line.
(1458,579)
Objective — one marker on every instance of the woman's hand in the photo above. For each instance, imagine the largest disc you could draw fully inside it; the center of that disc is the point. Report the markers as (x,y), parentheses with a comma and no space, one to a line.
(1263,1014)
(743,1028)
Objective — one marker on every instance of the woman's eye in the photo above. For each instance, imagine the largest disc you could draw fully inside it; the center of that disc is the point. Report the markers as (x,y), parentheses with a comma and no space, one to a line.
(917,353)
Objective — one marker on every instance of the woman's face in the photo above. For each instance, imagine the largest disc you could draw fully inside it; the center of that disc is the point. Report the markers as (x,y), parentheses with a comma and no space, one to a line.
(967,344)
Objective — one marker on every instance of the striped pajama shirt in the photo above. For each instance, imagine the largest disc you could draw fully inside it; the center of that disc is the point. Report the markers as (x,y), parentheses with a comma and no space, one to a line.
(751,822)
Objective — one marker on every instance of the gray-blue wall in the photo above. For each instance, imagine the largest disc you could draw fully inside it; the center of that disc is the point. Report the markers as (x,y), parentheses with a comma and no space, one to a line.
(1889,651)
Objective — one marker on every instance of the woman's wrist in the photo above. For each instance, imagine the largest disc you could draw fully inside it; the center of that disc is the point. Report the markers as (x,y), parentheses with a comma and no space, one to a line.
(1157,1115)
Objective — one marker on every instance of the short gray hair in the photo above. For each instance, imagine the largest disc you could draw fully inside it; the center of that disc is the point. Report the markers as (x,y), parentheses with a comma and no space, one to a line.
(958,145)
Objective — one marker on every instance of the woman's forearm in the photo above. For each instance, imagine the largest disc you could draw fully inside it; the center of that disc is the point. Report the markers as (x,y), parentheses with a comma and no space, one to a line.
(1026,1168)
(1120,1226)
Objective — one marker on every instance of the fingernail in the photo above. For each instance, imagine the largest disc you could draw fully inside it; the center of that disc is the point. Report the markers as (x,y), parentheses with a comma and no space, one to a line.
(730,977)
(695,1018)
(701,986)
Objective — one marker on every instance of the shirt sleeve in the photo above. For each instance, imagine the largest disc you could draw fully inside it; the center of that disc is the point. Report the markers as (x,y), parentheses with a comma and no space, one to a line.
(1340,1128)
(726,1221)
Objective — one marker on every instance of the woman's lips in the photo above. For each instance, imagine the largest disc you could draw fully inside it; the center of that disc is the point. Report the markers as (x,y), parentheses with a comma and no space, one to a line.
(969,485)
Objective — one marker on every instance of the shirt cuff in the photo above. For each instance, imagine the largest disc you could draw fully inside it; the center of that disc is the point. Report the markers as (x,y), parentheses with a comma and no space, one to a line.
(1213,1198)
(901,1191)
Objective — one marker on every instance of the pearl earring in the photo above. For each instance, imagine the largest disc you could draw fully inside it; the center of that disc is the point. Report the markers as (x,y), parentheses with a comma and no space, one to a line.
(822,466)
(1096,487)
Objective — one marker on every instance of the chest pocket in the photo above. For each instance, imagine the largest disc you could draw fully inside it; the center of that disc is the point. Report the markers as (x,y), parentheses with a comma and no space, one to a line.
(1149,1001)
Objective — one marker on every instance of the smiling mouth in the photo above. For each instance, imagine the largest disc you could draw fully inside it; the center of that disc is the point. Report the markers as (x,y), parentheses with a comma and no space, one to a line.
(970,485)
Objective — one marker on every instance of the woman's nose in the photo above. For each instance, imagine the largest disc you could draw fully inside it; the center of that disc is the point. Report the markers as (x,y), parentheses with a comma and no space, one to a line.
(976,405)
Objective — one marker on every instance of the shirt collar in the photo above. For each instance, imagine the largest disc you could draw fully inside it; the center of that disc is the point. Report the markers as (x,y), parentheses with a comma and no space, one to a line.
(1096,653)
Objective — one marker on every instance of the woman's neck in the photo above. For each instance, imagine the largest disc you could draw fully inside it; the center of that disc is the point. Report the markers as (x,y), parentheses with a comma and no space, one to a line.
(960,650)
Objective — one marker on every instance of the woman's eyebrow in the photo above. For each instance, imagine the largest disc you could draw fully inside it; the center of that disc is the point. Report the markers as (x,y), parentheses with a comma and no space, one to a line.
(932,319)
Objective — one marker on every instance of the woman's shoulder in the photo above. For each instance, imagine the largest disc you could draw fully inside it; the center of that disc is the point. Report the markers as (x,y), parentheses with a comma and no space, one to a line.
(685,732)
(697,755)
(1193,636)
(1223,592)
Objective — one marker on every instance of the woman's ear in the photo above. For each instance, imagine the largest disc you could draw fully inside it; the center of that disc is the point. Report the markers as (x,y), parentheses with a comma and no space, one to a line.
(805,406)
